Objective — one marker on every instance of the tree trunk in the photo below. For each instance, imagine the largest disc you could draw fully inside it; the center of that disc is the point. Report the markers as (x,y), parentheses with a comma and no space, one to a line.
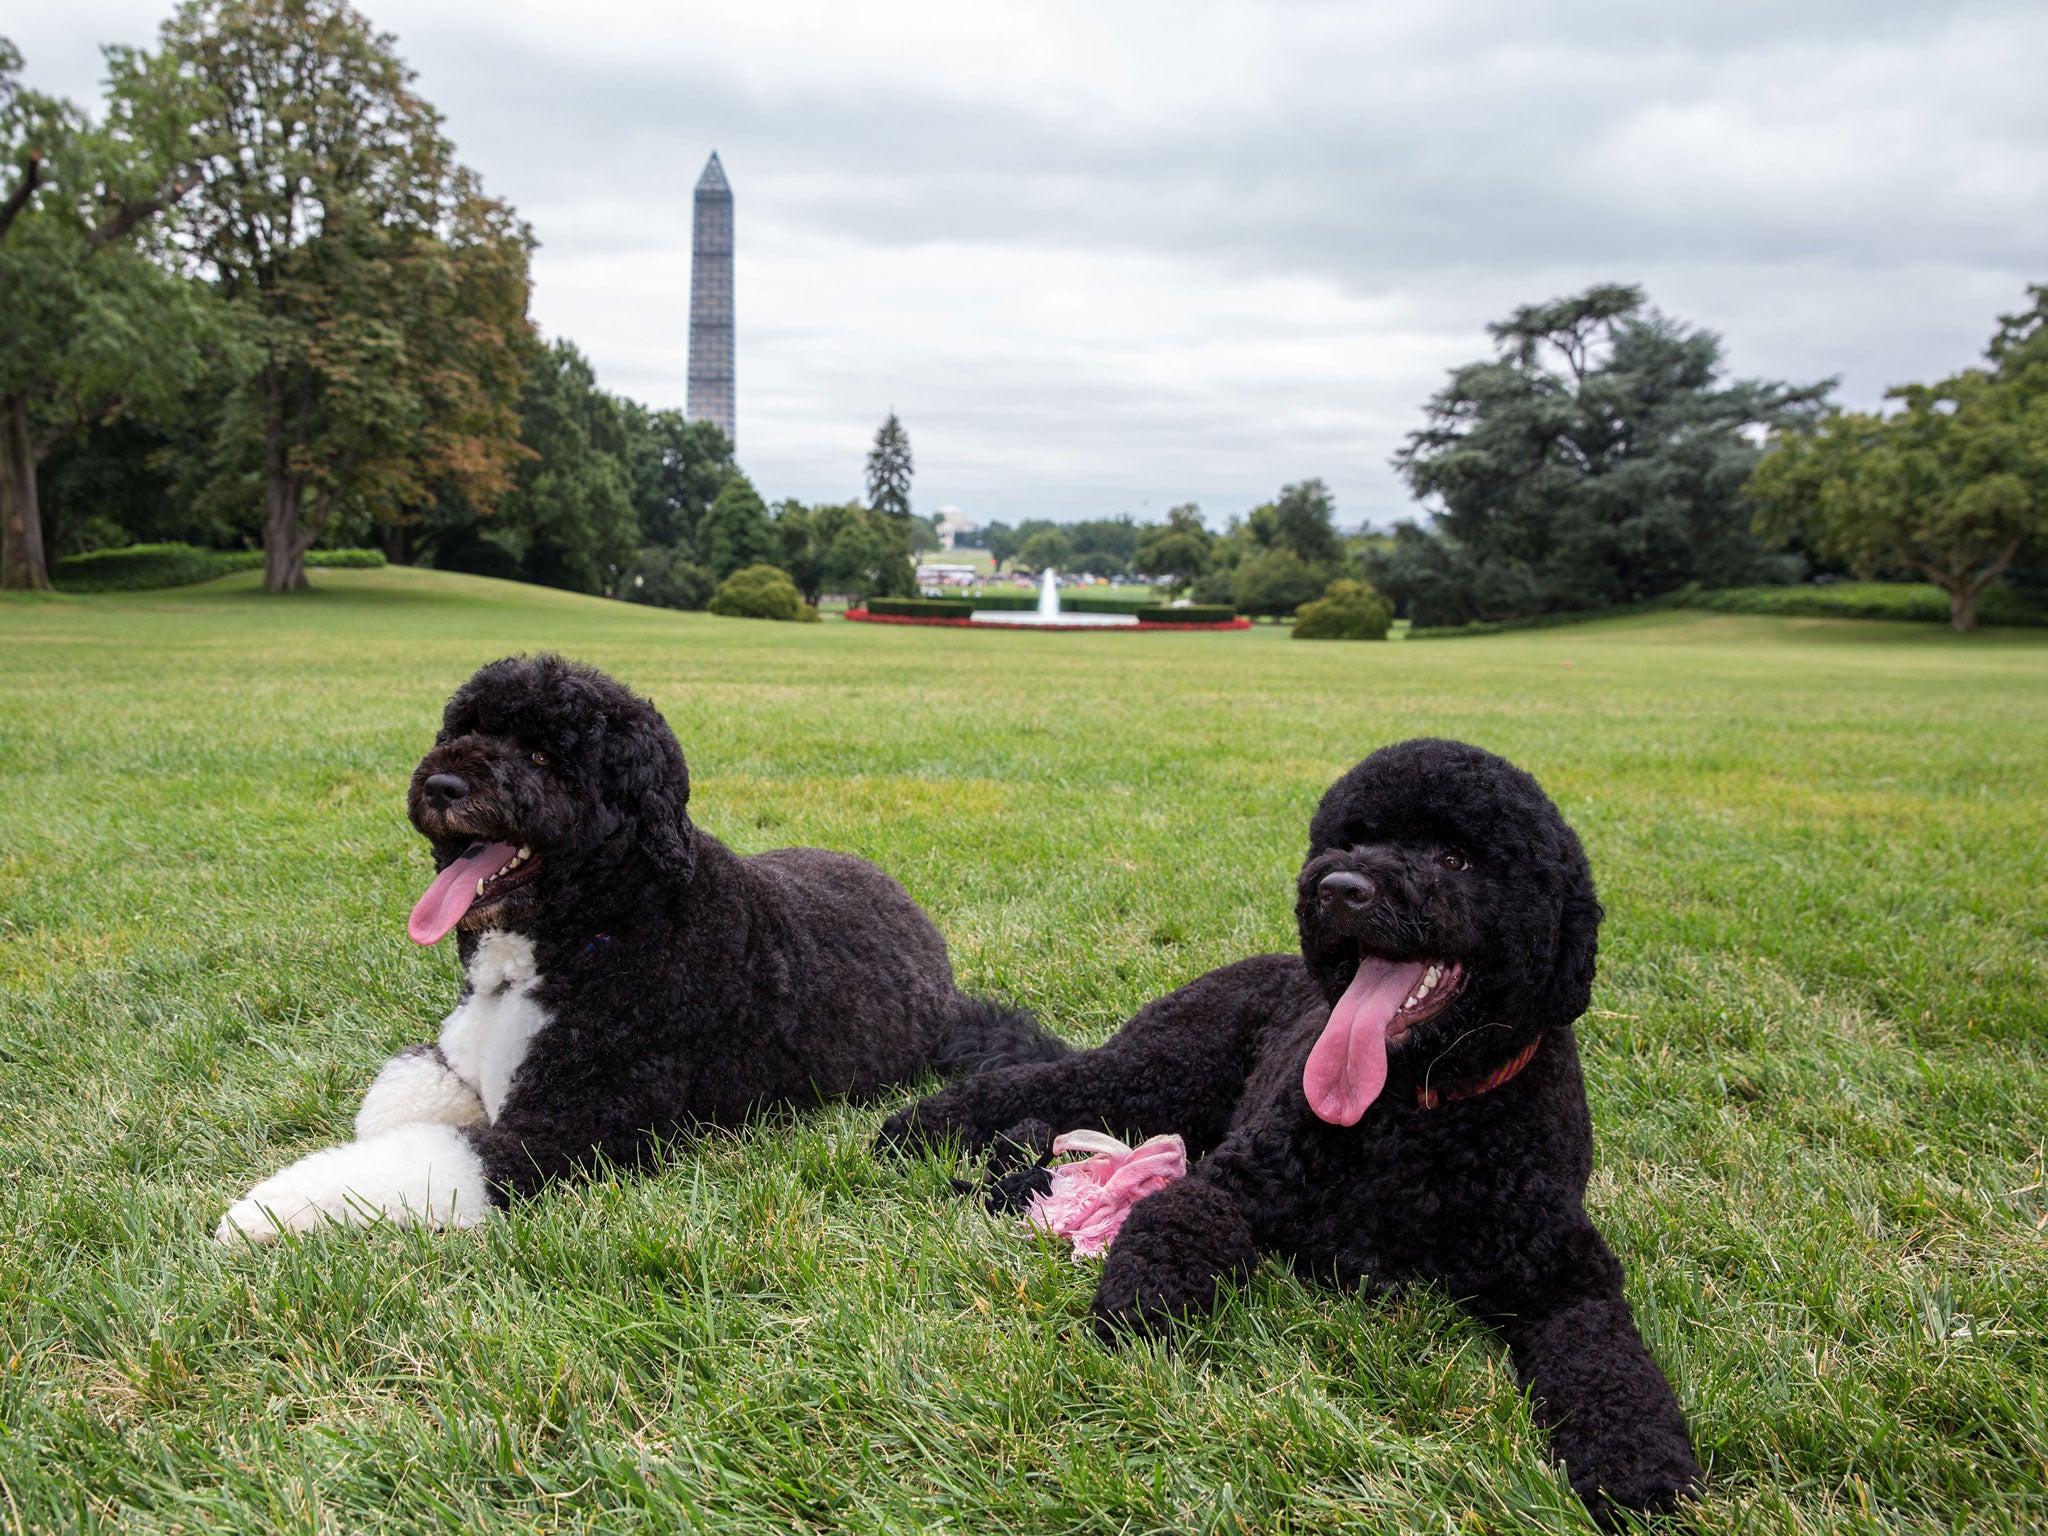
(1962,607)
(285,540)
(22,567)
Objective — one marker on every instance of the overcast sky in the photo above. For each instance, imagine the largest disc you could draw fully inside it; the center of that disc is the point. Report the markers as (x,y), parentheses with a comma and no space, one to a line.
(1109,258)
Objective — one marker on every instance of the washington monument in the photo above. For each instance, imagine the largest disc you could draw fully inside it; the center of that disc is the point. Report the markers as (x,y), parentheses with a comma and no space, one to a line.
(711,392)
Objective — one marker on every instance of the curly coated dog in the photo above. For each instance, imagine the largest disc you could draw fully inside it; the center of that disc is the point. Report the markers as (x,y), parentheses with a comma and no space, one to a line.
(627,976)
(1399,1102)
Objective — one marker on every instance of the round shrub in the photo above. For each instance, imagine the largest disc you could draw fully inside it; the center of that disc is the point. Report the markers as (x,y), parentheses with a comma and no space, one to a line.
(762,592)
(1347,610)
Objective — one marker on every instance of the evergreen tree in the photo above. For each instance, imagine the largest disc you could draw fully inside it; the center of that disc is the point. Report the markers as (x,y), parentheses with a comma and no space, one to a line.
(889,470)
(1595,459)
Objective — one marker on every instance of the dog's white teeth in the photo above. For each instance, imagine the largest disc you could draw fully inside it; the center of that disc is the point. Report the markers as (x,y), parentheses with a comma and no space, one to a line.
(479,887)
(1430,977)
(525,851)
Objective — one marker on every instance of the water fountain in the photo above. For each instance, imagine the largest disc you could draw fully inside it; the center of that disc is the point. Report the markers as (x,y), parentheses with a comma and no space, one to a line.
(1049,615)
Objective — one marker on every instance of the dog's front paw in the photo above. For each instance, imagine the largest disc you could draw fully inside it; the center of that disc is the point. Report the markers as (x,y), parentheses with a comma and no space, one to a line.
(1657,1481)
(1139,1297)
(1167,1258)
(926,1125)
(416,1173)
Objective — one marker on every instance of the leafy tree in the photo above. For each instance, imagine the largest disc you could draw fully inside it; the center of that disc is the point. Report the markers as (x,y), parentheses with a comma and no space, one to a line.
(1047,548)
(383,296)
(1003,543)
(735,531)
(1953,486)
(889,470)
(1304,520)
(569,518)
(1177,549)
(761,592)
(1103,547)
(95,326)
(677,466)
(1595,459)
(924,536)
(664,578)
(1275,582)
(1347,610)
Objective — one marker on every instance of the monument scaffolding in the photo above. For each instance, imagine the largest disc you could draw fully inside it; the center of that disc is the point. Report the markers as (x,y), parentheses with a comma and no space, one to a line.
(711,352)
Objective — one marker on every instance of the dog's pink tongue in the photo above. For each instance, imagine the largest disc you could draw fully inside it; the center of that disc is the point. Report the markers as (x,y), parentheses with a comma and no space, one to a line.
(454,889)
(1348,1067)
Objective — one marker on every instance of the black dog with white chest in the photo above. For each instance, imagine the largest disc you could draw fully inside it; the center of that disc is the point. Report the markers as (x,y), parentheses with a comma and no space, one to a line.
(627,976)
(1399,1102)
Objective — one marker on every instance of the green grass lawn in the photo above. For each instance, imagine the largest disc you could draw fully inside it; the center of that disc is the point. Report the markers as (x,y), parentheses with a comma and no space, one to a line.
(1816,1066)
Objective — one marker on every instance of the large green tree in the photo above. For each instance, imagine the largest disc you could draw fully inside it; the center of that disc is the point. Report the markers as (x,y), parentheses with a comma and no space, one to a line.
(677,466)
(735,531)
(889,470)
(1953,485)
(1002,542)
(381,295)
(94,325)
(1176,550)
(1597,458)
(569,520)
(846,549)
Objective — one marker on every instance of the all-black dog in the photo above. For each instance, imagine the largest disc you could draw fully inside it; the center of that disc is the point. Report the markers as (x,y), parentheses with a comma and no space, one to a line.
(627,976)
(1400,1102)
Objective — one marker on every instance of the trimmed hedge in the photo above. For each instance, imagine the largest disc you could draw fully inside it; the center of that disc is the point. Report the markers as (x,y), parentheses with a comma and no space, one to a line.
(1194,613)
(1907,601)
(919,608)
(1914,602)
(150,567)
(1079,602)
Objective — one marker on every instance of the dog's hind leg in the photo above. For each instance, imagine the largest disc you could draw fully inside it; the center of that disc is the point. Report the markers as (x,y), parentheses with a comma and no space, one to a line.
(1178,1067)
(418,1087)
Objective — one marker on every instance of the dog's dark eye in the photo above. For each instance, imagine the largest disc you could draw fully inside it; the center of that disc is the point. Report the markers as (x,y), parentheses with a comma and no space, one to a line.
(540,759)
(1450,858)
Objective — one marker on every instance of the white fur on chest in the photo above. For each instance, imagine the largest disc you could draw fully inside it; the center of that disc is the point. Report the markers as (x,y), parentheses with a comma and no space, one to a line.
(487,1037)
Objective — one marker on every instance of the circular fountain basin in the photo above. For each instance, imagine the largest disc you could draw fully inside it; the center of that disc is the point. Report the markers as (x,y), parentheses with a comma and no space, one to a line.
(1010,618)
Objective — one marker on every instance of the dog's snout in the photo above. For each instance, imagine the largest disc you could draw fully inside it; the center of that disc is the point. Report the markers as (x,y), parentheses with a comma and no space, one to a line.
(444,789)
(1346,888)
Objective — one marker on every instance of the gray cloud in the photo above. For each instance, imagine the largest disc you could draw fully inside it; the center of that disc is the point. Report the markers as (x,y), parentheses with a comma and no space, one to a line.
(1104,261)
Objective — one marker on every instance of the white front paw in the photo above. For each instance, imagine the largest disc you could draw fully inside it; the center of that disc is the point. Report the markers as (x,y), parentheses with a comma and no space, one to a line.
(415,1173)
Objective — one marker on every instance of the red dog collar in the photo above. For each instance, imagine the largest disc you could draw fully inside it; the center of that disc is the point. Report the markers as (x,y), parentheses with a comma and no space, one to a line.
(1428,1098)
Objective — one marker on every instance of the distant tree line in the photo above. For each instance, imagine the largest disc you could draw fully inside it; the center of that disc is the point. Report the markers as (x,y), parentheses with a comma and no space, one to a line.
(1600,458)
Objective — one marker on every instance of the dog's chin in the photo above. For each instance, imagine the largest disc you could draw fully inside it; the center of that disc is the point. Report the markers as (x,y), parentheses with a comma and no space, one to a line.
(514,910)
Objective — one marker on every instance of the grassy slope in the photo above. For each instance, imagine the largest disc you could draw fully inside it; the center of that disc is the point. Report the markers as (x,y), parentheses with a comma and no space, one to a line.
(1816,1067)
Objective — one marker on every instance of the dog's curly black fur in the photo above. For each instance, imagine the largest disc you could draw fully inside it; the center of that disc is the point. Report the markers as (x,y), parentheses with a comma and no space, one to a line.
(684,985)
(1464,861)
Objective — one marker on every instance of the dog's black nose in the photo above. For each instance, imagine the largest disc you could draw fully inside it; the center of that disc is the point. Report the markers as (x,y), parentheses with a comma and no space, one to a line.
(1349,887)
(444,789)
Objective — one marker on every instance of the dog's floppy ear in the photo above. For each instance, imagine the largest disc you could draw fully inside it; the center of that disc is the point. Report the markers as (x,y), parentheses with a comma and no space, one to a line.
(644,769)
(1578,937)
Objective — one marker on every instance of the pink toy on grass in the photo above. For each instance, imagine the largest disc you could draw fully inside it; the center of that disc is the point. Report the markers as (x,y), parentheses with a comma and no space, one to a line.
(1089,1200)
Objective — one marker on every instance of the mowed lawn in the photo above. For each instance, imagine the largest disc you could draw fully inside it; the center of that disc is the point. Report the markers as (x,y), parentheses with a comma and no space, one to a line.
(1816,1063)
